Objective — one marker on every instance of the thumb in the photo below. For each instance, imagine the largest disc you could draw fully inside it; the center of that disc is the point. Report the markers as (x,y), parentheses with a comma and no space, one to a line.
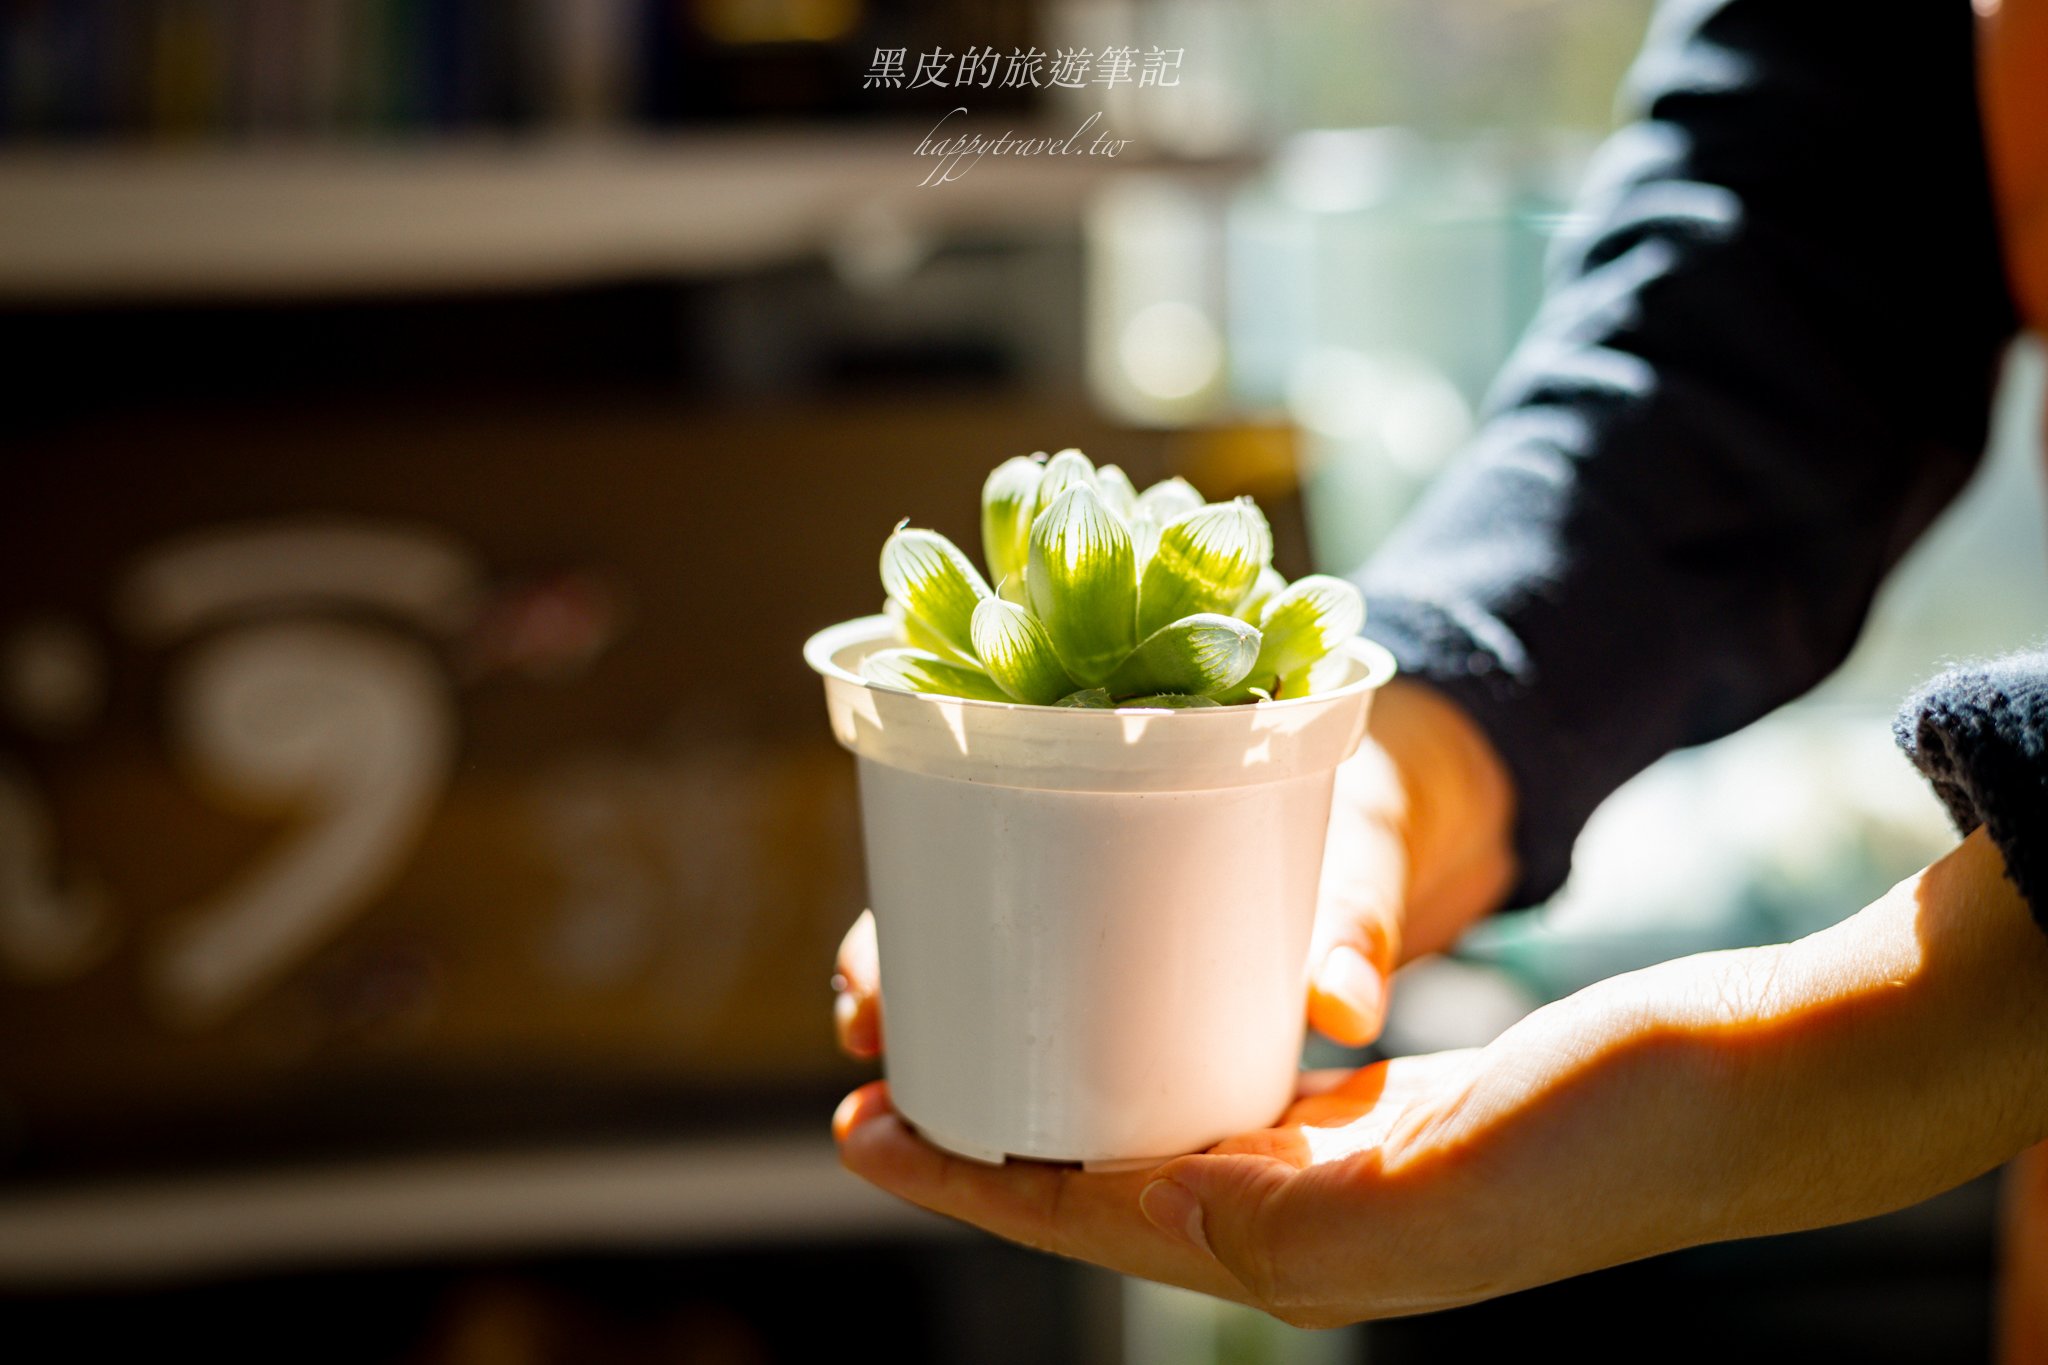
(1357,941)
(1217,1203)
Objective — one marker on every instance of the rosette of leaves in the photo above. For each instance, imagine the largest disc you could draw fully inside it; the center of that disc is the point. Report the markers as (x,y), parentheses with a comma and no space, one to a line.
(1100,595)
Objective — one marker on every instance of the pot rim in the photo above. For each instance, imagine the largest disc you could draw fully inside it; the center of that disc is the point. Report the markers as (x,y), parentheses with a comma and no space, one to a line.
(820,649)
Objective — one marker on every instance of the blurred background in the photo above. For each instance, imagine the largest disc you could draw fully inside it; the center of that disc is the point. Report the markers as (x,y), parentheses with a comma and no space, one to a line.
(433,427)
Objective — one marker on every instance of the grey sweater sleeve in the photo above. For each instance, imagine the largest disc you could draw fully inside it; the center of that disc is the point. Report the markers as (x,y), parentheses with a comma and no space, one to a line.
(1762,367)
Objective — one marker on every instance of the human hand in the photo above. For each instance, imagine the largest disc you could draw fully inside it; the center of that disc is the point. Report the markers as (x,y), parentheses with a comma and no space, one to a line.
(1418,849)
(1407,1186)
(1116,1221)
(1732,1094)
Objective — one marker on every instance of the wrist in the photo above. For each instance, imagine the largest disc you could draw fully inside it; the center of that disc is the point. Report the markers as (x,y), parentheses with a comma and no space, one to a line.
(1453,812)
(1584,1132)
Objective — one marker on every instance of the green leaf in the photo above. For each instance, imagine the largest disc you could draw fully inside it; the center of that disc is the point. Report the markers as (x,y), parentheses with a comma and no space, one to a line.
(1068,469)
(1119,494)
(914,670)
(1018,653)
(1008,501)
(1083,584)
(1199,654)
(918,635)
(1270,583)
(1207,560)
(1170,701)
(1320,676)
(938,585)
(1088,698)
(1306,620)
(1302,623)
(1168,500)
(1144,541)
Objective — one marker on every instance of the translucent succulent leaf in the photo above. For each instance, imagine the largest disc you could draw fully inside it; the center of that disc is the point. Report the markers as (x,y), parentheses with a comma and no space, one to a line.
(1088,698)
(1169,701)
(1320,676)
(1168,499)
(914,670)
(1018,654)
(1306,620)
(1196,655)
(1008,500)
(1144,541)
(1083,584)
(1302,624)
(1270,584)
(1207,560)
(1068,469)
(938,586)
(918,635)
(1119,494)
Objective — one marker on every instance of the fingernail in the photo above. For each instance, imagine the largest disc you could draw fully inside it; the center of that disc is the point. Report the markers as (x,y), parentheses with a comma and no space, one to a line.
(1174,1210)
(859,1030)
(842,1117)
(1347,976)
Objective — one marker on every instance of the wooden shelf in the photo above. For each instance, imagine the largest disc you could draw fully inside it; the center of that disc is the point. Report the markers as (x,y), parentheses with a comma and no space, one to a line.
(85,223)
(675,1196)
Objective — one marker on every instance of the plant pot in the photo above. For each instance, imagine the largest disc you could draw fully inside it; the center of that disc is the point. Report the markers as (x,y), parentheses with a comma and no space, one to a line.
(1094,925)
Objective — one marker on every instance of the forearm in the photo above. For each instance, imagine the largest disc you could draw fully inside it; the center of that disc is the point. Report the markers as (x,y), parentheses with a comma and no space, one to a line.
(1743,398)
(1892,1056)
(1864,1068)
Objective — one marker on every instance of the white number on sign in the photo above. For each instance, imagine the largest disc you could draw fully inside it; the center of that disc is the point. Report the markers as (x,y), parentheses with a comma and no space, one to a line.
(349,726)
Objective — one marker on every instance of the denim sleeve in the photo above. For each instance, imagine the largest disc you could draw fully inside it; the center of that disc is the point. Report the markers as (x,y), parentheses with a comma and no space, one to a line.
(1762,366)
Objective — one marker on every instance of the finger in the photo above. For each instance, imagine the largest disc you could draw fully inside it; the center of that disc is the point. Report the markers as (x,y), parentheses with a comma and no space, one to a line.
(1061,1209)
(1357,939)
(858,1021)
(1251,1200)
(1339,1097)
(1321,1081)
(1216,1203)
(858,961)
(869,1101)
(857,1008)
(1300,1214)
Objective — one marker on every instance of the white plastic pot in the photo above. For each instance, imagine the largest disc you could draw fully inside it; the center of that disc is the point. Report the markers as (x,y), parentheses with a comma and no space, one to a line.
(1094,925)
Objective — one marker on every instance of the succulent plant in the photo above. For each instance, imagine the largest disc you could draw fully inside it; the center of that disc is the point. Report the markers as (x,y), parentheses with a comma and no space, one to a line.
(1298,626)
(1018,653)
(1206,561)
(1082,582)
(914,670)
(938,586)
(1064,471)
(1194,656)
(1009,500)
(1118,493)
(1270,582)
(1107,597)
